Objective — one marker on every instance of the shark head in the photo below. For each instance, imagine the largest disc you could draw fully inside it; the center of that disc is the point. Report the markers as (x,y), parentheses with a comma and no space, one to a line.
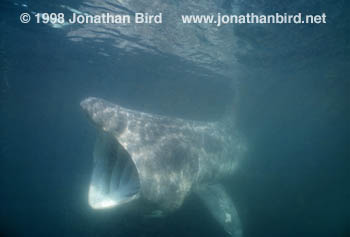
(138,156)
(115,179)
(159,161)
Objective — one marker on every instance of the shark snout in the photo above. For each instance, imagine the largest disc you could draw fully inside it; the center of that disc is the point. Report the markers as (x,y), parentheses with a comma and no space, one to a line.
(104,115)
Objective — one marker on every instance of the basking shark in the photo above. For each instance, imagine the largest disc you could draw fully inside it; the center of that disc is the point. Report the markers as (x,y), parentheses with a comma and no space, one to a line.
(158,161)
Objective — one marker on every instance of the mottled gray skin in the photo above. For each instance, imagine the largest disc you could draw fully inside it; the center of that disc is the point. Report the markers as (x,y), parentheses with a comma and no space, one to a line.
(173,157)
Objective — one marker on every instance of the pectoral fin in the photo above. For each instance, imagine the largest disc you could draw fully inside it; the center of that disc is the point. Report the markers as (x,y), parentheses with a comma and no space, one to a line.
(222,208)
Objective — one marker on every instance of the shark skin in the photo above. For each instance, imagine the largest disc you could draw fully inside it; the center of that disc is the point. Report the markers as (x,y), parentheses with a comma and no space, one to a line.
(159,161)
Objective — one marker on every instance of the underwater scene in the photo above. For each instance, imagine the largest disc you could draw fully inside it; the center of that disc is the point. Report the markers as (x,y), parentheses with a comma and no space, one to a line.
(175,118)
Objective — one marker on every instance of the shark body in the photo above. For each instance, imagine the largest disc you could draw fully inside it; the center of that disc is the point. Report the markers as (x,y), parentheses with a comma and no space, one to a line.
(159,161)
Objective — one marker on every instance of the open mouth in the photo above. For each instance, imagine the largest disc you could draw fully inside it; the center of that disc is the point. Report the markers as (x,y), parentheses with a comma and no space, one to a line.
(114,178)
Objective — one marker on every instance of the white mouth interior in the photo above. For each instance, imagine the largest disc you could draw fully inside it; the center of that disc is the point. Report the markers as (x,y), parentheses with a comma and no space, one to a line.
(114,178)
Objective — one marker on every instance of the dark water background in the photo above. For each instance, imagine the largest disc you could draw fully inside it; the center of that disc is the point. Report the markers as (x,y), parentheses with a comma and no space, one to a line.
(293,110)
